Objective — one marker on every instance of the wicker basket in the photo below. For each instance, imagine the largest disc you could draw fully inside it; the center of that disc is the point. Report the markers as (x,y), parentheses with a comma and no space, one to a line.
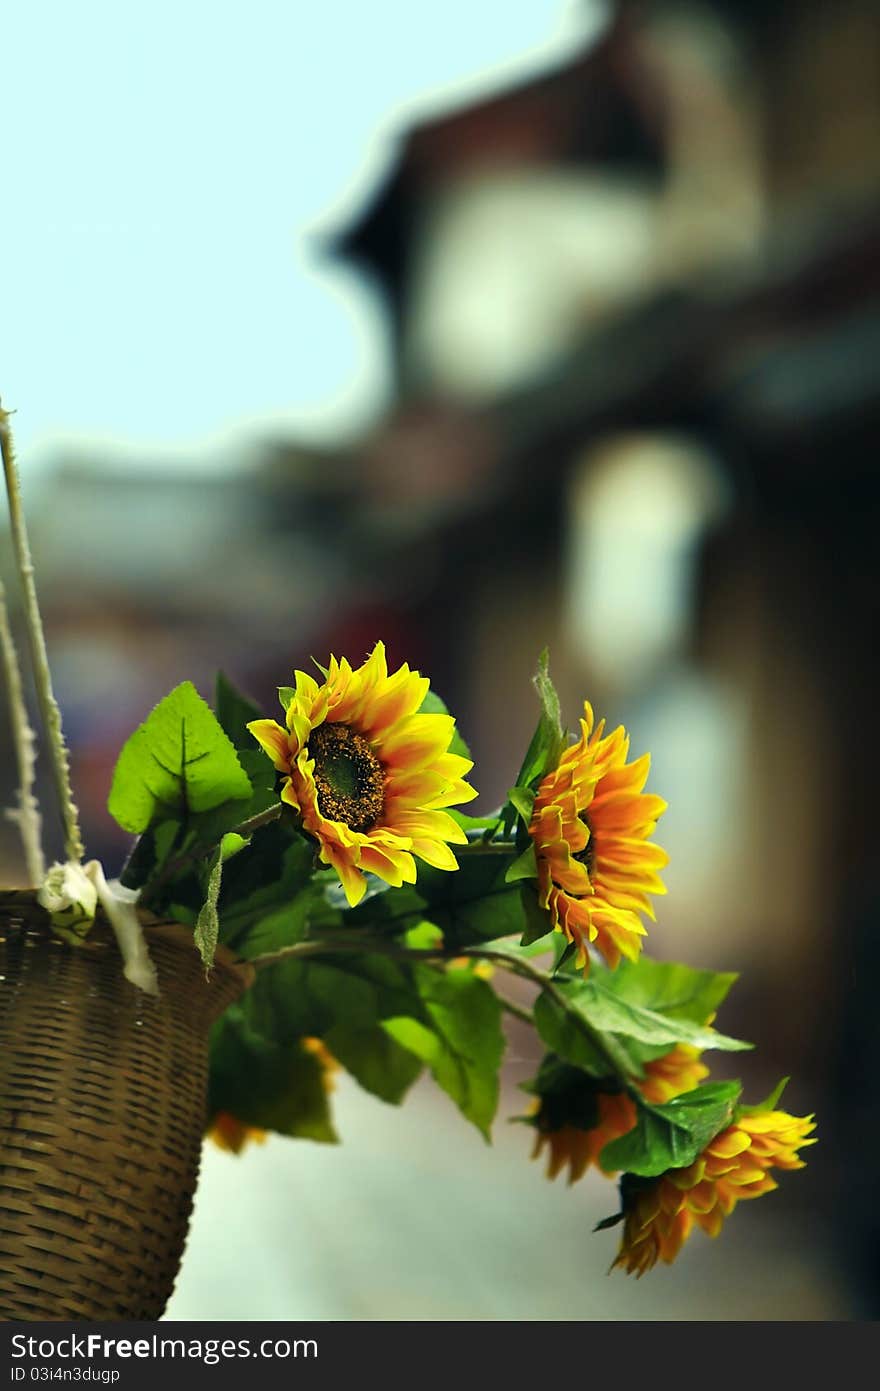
(102,1111)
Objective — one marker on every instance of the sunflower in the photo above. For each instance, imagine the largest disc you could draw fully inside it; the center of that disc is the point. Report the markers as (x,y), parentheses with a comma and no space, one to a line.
(591,825)
(659,1214)
(579,1147)
(368,773)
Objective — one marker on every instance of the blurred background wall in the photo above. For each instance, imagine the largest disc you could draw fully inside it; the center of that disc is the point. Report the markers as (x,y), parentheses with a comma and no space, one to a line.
(622,283)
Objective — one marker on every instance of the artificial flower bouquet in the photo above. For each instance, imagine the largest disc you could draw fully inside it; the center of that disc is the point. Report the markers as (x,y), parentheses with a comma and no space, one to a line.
(382,926)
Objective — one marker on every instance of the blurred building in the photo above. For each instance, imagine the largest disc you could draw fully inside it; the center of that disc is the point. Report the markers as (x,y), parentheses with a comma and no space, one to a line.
(637,315)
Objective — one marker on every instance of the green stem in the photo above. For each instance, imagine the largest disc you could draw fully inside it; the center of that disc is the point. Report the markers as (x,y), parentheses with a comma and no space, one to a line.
(263,818)
(49,711)
(518,1011)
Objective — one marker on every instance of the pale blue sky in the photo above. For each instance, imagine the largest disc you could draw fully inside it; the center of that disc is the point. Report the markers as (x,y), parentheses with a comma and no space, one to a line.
(165,168)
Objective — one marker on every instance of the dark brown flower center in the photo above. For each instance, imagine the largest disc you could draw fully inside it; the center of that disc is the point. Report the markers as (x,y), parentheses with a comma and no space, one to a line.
(349,778)
(587,856)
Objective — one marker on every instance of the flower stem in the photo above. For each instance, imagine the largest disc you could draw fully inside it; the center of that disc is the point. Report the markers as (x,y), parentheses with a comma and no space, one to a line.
(518,1011)
(262,818)
(27,814)
(49,711)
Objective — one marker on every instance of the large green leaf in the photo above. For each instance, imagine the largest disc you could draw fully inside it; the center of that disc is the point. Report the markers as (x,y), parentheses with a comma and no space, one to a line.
(381,909)
(460,1039)
(613,1015)
(609,1014)
(522,799)
(671,1136)
(178,763)
(668,987)
(449,1019)
(151,851)
(525,866)
(564,1033)
(474,904)
(263,1083)
(269,878)
(308,996)
(381,1065)
(342,999)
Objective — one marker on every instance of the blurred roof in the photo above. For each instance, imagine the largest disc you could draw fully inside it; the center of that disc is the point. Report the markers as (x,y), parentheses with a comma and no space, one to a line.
(601,108)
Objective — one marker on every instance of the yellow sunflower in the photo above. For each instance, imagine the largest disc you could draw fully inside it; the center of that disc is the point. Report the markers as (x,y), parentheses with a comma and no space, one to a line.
(570,1145)
(661,1213)
(591,826)
(368,773)
(677,1071)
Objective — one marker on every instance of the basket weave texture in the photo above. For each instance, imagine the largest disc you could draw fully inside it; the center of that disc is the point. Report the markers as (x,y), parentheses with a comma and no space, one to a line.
(102,1112)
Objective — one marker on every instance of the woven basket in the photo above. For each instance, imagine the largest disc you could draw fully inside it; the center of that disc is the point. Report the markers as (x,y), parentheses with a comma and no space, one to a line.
(102,1111)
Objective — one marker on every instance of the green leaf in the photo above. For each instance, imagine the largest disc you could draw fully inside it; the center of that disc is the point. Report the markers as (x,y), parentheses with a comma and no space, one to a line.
(537,919)
(379,910)
(522,951)
(461,1040)
(433,705)
(231,844)
(425,936)
(671,1136)
(678,991)
(621,1030)
(548,741)
(262,1083)
(286,695)
(525,866)
(565,1036)
(522,799)
(149,854)
(279,865)
(375,1060)
(234,711)
(207,926)
(258,767)
(614,1015)
(473,904)
(178,763)
(309,996)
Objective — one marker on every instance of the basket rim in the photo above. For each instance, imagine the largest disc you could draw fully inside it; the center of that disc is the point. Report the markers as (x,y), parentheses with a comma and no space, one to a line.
(176,934)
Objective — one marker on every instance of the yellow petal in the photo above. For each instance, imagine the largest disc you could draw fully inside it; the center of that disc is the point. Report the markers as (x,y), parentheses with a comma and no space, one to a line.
(274,741)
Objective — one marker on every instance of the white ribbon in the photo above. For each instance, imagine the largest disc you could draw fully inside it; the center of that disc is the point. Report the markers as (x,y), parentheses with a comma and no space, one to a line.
(71,893)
